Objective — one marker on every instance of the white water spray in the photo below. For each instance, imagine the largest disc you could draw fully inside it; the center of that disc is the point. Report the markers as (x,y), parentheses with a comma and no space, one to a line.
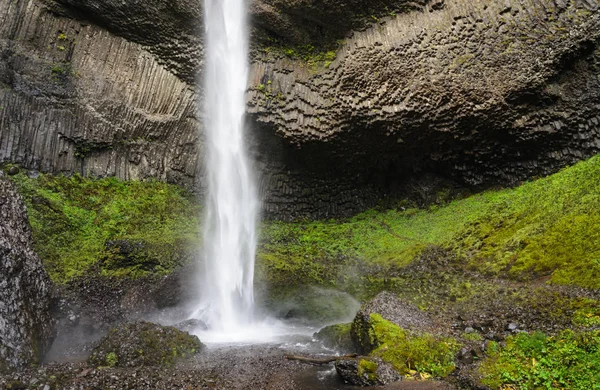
(232,204)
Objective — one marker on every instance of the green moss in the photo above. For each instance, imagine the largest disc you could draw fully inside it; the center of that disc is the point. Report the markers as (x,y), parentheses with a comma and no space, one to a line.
(74,220)
(368,368)
(569,360)
(516,233)
(424,353)
(336,336)
(587,313)
(112,359)
(472,336)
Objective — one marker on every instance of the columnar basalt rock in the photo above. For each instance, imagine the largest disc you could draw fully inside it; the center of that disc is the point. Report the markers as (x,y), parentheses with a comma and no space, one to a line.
(487,92)
(26,327)
(76,98)
(480,92)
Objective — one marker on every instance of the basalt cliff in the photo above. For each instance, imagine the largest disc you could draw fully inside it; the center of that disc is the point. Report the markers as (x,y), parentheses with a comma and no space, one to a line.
(348,100)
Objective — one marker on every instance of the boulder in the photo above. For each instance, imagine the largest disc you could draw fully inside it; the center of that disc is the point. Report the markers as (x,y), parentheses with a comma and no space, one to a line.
(366,371)
(336,337)
(137,344)
(313,305)
(390,308)
(26,326)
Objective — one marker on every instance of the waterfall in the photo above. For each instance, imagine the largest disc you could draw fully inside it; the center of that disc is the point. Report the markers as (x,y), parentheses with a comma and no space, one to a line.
(231,203)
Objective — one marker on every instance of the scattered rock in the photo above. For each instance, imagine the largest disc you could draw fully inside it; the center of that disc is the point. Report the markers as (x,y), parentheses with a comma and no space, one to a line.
(144,344)
(14,170)
(512,327)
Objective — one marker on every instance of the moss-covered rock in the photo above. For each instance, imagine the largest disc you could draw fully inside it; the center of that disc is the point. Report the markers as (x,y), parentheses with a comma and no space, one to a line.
(408,348)
(408,351)
(336,337)
(312,304)
(388,306)
(143,344)
(366,371)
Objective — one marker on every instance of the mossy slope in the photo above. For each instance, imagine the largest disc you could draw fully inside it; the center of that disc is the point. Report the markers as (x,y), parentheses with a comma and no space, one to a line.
(547,228)
(122,228)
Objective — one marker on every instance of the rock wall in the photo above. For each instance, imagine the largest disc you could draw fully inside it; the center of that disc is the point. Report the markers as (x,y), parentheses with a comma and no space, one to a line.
(26,327)
(76,98)
(479,92)
(485,92)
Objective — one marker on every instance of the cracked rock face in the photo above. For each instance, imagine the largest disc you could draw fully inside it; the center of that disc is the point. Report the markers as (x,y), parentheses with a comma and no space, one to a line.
(482,93)
(26,327)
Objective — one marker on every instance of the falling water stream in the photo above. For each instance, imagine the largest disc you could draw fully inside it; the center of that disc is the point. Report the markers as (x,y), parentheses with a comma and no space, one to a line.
(226,298)
(232,205)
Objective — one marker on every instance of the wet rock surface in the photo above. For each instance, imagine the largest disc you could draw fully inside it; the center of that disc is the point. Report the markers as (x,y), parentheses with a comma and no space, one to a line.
(139,344)
(312,305)
(336,337)
(366,372)
(26,326)
(227,368)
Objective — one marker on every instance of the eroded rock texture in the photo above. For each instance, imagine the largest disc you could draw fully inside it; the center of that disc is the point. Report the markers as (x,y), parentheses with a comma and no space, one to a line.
(26,327)
(479,92)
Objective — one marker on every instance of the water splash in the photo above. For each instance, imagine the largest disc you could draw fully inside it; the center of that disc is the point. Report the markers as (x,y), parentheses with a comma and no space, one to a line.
(232,205)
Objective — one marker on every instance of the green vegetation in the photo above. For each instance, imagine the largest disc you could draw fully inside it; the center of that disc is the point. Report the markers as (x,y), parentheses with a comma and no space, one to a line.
(587,313)
(546,228)
(568,360)
(314,57)
(472,336)
(108,226)
(112,359)
(368,368)
(423,353)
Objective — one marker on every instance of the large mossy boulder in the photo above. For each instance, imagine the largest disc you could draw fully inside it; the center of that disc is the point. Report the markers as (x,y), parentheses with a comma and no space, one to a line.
(26,325)
(312,305)
(144,344)
(392,309)
(336,337)
(404,337)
